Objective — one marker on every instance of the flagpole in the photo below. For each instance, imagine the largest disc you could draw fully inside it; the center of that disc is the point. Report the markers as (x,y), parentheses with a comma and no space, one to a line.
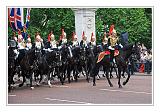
(22,16)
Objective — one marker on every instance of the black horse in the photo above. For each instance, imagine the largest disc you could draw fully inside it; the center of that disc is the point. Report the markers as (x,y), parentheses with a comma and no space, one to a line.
(91,58)
(72,62)
(46,63)
(11,66)
(27,64)
(120,61)
(82,64)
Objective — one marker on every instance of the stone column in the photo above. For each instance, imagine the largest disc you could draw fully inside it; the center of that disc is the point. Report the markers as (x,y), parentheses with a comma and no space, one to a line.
(84,21)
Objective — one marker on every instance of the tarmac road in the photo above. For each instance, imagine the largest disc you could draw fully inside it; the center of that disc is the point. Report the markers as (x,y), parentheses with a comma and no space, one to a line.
(137,91)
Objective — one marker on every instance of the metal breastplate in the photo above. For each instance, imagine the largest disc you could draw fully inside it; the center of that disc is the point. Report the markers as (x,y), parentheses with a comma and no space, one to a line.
(53,44)
(113,41)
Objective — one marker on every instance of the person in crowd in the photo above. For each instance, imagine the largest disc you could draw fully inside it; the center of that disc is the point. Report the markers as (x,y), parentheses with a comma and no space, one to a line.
(142,62)
(149,62)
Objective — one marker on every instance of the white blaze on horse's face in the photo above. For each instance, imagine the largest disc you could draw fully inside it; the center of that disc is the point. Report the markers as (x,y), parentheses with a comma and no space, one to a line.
(133,46)
(16,52)
(70,52)
(60,56)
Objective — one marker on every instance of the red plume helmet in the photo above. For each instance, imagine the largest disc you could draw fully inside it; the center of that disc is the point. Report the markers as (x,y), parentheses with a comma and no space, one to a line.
(29,36)
(49,37)
(62,31)
(61,36)
(111,29)
(91,36)
(19,32)
(73,34)
(83,35)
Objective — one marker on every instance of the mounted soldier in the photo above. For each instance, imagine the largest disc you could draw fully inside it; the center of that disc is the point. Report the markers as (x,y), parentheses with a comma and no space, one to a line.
(113,43)
(29,44)
(38,41)
(74,40)
(52,40)
(14,37)
(21,47)
(21,43)
(63,39)
(84,41)
(105,41)
(93,41)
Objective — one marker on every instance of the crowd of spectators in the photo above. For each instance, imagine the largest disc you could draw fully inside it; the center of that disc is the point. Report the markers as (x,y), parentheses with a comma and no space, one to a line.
(144,65)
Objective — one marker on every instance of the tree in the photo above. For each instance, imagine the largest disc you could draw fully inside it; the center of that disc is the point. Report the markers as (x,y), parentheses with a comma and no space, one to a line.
(133,20)
(46,19)
(136,21)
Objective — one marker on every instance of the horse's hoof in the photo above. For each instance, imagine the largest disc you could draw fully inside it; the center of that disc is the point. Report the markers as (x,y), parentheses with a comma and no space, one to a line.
(37,84)
(20,85)
(111,85)
(94,84)
(120,86)
(32,88)
(50,86)
(124,83)
(87,80)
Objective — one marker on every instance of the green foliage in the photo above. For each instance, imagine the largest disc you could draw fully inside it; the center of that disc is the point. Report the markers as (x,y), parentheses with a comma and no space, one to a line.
(136,21)
(46,19)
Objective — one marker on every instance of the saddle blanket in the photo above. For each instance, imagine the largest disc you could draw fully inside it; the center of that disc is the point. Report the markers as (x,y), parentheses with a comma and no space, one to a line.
(104,53)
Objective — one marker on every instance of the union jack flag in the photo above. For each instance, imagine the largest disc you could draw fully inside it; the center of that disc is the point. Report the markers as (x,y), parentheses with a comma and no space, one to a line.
(27,18)
(15,18)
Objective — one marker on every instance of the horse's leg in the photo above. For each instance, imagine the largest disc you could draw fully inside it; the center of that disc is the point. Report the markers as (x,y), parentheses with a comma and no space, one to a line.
(111,70)
(31,86)
(107,76)
(76,73)
(24,79)
(103,71)
(87,76)
(36,78)
(62,79)
(68,74)
(61,75)
(9,83)
(125,82)
(119,77)
(95,72)
(123,72)
(115,70)
(49,79)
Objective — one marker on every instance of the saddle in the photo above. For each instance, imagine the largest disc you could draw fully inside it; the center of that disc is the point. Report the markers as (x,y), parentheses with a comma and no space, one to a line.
(104,53)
